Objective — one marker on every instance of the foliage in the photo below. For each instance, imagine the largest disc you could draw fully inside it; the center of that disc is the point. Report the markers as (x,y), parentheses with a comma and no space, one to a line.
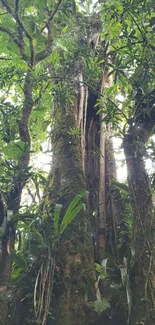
(72,211)
(101,305)
(124,221)
(56,56)
(100,270)
(129,30)
(38,254)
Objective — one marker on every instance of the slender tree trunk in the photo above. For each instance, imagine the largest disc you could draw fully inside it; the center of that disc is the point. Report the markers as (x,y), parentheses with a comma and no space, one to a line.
(13,201)
(110,200)
(143,269)
(102,186)
(96,147)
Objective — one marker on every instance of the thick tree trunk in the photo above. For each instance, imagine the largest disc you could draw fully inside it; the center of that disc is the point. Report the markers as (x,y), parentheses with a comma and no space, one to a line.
(142,264)
(76,257)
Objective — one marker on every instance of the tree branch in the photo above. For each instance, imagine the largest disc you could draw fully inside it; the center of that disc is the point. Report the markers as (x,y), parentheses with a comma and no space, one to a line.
(5,59)
(6,6)
(122,47)
(21,26)
(23,123)
(5,30)
(48,50)
(55,10)
(16,41)
(16,5)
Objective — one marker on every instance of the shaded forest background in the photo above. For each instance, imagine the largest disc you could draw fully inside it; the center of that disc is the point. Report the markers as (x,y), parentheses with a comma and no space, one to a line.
(77,245)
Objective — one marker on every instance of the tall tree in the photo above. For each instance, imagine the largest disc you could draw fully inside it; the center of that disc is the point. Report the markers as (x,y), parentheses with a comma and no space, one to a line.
(63,65)
(30,28)
(133,64)
(24,45)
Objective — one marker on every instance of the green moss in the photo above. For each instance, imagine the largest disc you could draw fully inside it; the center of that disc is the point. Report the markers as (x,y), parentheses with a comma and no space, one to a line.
(76,256)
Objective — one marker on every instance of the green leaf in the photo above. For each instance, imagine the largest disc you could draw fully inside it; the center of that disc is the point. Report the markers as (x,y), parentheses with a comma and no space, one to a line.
(20,260)
(65,29)
(41,4)
(101,305)
(14,150)
(42,178)
(16,273)
(98,268)
(70,217)
(38,237)
(121,186)
(50,2)
(12,47)
(74,203)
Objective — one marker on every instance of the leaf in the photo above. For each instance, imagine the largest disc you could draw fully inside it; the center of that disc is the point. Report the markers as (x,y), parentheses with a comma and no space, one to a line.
(121,186)
(34,42)
(41,4)
(100,270)
(14,150)
(12,47)
(74,203)
(16,273)
(101,305)
(38,237)
(65,29)
(50,2)
(42,178)
(20,260)
(104,265)
(69,217)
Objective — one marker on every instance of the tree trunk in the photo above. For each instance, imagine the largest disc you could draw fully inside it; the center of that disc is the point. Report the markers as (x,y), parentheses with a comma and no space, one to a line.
(142,264)
(101,191)
(13,202)
(75,258)
(112,211)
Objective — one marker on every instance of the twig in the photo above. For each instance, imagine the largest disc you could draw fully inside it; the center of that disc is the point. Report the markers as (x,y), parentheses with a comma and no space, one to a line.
(55,10)
(123,47)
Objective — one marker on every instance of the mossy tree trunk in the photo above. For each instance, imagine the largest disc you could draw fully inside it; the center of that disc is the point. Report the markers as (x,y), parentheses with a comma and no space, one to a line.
(75,258)
(143,264)
(13,201)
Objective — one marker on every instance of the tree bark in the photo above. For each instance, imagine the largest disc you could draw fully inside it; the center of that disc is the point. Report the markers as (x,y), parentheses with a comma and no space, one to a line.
(13,200)
(142,266)
(76,257)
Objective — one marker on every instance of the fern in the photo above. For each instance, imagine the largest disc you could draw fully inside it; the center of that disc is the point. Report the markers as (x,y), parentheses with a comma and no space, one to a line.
(101,305)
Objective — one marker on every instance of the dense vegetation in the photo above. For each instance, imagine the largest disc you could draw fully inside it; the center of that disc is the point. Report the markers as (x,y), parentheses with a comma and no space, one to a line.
(76,245)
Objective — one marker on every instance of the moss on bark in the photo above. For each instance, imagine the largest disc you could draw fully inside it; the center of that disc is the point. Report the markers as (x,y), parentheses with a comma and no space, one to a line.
(143,263)
(76,255)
